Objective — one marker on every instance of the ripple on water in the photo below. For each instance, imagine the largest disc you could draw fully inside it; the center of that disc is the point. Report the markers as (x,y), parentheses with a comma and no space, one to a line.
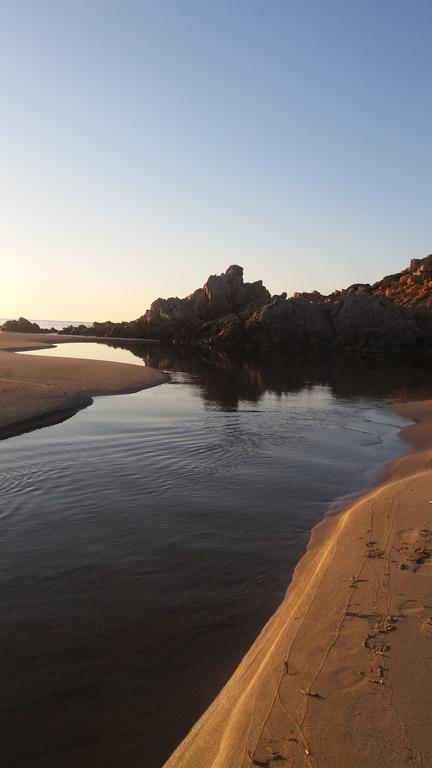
(146,542)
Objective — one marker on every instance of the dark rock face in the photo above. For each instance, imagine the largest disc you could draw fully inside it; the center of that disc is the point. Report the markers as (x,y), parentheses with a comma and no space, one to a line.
(107,329)
(363,322)
(20,326)
(222,296)
(228,313)
(357,322)
(288,324)
(393,315)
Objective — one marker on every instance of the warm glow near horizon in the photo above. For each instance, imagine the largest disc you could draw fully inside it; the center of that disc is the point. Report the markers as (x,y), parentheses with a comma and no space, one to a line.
(146,145)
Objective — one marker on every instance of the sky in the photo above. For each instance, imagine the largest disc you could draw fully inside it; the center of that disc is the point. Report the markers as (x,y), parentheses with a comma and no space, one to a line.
(145,145)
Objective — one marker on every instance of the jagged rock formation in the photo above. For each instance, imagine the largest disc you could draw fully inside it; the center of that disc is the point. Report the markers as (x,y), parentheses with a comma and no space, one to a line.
(410,288)
(358,323)
(363,319)
(393,315)
(224,297)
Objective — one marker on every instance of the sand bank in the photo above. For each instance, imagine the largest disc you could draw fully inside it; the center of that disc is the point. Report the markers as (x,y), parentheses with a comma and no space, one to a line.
(340,676)
(36,391)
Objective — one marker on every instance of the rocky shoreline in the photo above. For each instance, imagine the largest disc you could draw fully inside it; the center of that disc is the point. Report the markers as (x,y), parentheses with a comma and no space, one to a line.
(392,316)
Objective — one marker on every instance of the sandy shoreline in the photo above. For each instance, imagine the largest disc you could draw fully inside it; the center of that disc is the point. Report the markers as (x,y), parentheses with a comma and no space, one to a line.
(340,675)
(36,391)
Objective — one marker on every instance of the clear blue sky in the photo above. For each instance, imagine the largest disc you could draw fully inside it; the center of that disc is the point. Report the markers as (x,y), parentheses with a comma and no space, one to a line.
(145,145)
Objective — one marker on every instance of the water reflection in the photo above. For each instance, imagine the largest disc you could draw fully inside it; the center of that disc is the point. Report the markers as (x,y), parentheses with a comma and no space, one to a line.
(146,541)
(225,381)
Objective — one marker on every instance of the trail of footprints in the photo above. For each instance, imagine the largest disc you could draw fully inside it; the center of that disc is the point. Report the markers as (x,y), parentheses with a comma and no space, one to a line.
(415,547)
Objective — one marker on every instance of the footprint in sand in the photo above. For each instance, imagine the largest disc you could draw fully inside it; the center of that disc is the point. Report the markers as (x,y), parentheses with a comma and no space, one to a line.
(425,533)
(418,559)
(411,606)
(347,678)
(413,545)
(426,629)
(408,535)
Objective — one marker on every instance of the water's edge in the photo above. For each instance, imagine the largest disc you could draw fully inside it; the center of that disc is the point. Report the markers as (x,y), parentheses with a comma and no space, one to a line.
(233,431)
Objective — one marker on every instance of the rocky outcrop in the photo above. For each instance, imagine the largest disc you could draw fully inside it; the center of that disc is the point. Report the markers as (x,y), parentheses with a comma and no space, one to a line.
(22,326)
(410,288)
(367,321)
(356,323)
(392,315)
(285,324)
(362,319)
(106,329)
(223,298)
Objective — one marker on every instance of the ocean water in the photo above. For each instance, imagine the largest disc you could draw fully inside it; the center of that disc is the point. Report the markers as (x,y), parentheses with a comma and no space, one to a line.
(146,541)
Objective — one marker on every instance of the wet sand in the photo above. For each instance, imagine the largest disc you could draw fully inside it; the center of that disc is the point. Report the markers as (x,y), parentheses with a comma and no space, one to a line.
(36,391)
(340,675)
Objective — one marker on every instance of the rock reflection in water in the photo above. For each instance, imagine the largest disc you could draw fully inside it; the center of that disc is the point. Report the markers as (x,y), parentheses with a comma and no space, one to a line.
(225,380)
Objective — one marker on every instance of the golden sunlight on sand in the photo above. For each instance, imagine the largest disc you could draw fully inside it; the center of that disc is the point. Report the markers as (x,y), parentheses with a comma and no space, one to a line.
(42,390)
(340,676)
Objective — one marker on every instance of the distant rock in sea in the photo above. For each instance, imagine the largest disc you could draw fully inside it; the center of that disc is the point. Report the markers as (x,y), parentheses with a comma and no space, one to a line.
(22,326)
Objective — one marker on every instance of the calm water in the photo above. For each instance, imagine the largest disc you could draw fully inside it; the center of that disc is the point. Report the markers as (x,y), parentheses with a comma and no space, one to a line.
(147,540)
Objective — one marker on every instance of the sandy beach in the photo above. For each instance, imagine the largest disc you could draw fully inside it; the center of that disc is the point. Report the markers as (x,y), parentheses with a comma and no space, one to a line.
(36,391)
(340,675)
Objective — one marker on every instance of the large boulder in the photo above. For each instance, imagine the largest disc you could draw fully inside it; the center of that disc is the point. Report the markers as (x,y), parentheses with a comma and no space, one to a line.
(365,322)
(220,296)
(20,326)
(224,293)
(286,324)
(356,311)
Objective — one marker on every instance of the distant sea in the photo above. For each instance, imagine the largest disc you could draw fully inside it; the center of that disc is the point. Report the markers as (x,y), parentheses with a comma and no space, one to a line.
(58,324)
